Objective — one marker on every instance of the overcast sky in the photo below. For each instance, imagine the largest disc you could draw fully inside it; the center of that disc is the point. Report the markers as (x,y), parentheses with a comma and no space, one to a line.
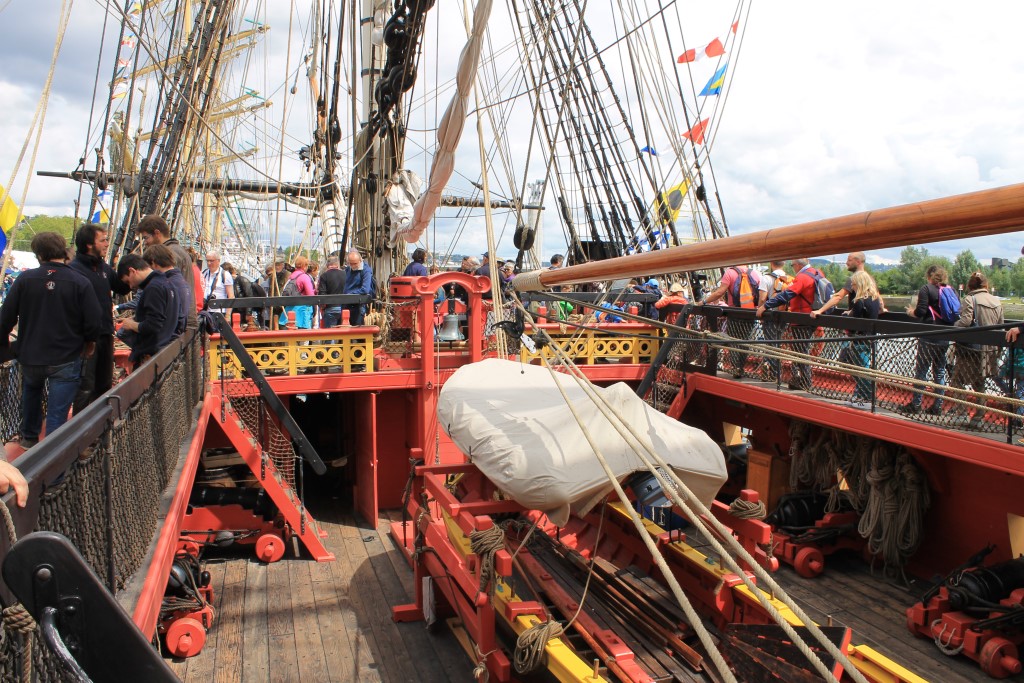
(834,108)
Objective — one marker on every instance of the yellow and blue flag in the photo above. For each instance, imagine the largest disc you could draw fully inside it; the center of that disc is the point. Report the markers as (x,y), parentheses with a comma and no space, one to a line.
(102,213)
(9,217)
(714,86)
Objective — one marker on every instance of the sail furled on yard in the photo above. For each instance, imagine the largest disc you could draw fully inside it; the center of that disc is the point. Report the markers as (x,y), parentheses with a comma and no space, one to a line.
(450,129)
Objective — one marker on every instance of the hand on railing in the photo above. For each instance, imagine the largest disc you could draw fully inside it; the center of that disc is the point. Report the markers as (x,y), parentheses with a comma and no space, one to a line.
(1011,334)
(11,476)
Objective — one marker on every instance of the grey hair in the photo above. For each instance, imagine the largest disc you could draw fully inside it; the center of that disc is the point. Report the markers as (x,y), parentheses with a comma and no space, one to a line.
(213,254)
(473,261)
(800,261)
(333,261)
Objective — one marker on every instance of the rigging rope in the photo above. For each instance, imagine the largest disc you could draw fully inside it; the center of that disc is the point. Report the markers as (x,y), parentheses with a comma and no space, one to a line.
(681,495)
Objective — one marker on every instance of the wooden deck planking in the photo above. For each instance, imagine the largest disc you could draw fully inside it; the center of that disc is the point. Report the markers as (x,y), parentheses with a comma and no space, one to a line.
(876,611)
(280,628)
(299,620)
(255,632)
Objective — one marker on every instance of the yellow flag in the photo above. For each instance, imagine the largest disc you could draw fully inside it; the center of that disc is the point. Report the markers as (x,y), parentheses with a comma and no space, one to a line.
(9,213)
(673,199)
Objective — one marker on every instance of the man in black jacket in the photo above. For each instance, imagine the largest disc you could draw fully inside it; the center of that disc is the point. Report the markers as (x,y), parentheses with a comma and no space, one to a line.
(152,230)
(58,322)
(91,242)
(332,281)
(156,315)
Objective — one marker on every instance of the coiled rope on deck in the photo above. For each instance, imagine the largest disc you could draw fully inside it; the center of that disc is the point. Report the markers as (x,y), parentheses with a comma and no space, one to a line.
(16,617)
(883,484)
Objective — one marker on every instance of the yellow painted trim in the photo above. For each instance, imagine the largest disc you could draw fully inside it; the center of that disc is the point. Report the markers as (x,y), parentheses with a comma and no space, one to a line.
(586,347)
(287,354)
(564,664)
(880,668)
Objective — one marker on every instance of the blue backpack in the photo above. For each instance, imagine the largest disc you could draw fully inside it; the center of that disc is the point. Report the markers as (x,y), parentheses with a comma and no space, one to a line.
(823,291)
(949,305)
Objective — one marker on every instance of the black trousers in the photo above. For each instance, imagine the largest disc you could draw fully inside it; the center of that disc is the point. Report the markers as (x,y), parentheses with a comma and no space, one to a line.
(97,373)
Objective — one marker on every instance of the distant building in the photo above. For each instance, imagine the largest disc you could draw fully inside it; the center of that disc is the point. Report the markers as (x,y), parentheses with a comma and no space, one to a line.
(998,263)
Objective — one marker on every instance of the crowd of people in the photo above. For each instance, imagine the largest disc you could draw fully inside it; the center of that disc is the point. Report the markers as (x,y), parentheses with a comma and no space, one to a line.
(70,349)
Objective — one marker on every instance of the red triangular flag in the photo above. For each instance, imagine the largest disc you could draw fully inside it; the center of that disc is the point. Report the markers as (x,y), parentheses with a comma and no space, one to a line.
(714,48)
(734,25)
(687,56)
(696,134)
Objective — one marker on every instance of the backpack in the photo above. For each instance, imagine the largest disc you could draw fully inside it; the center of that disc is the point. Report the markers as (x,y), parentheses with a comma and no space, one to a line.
(949,306)
(744,289)
(243,287)
(291,288)
(257,290)
(823,291)
(778,284)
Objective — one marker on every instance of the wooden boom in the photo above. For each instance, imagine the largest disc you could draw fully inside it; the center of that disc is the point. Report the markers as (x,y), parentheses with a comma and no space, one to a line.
(987,212)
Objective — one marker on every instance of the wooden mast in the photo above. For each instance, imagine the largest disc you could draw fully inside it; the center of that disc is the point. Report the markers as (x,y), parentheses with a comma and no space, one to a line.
(976,214)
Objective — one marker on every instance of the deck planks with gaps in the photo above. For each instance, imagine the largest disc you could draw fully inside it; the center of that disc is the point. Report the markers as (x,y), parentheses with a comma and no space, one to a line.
(228,666)
(875,610)
(280,628)
(312,662)
(255,633)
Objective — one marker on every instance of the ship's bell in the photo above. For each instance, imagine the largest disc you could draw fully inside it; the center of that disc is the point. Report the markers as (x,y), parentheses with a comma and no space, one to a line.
(450,331)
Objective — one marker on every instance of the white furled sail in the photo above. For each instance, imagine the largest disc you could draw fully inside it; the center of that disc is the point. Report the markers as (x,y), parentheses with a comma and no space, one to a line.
(450,129)
(401,198)
(513,422)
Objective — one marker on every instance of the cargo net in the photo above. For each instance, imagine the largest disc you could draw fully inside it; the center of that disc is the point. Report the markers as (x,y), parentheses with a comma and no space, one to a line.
(107,502)
(511,345)
(274,443)
(927,379)
(10,400)
(399,326)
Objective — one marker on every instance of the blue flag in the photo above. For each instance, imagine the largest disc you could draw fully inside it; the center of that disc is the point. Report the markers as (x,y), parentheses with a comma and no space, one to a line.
(714,86)
(650,150)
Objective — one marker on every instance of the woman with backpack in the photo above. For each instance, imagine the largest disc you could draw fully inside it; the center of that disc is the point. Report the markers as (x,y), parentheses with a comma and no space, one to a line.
(933,306)
(972,363)
(300,284)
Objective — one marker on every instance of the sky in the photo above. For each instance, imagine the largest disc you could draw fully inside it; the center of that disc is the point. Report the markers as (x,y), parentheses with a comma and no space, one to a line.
(832,108)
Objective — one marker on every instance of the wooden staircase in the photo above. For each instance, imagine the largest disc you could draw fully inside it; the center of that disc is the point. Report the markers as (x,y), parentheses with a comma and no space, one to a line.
(281,492)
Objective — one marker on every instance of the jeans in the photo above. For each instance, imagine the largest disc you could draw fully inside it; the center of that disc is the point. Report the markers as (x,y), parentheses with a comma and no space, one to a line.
(859,353)
(61,382)
(772,330)
(332,316)
(97,373)
(801,374)
(356,314)
(930,356)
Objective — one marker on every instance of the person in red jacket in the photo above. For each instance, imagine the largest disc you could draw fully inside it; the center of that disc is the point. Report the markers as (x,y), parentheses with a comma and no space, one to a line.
(672,305)
(800,297)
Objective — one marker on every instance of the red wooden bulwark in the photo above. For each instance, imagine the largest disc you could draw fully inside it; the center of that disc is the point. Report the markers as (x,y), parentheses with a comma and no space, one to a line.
(147,608)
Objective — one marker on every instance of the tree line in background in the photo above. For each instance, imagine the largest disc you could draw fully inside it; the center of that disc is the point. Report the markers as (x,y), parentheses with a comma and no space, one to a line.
(908,276)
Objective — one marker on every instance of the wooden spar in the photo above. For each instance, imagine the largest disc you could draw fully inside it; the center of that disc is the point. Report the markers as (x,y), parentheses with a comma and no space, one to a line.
(987,212)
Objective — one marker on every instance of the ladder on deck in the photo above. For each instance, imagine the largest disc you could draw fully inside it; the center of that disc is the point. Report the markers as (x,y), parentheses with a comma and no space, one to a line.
(281,492)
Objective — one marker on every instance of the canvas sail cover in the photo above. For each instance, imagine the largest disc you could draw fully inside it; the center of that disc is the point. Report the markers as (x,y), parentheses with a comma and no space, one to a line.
(513,422)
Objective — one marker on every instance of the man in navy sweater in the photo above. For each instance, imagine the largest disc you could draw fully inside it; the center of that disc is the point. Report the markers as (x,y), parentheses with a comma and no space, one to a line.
(91,242)
(358,280)
(58,323)
(156,316)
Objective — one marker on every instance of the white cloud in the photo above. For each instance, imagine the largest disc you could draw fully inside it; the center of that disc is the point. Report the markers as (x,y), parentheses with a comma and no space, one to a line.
(833,109)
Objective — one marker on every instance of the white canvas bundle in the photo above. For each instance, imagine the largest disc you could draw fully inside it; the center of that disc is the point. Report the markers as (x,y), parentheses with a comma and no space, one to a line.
(514,424)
